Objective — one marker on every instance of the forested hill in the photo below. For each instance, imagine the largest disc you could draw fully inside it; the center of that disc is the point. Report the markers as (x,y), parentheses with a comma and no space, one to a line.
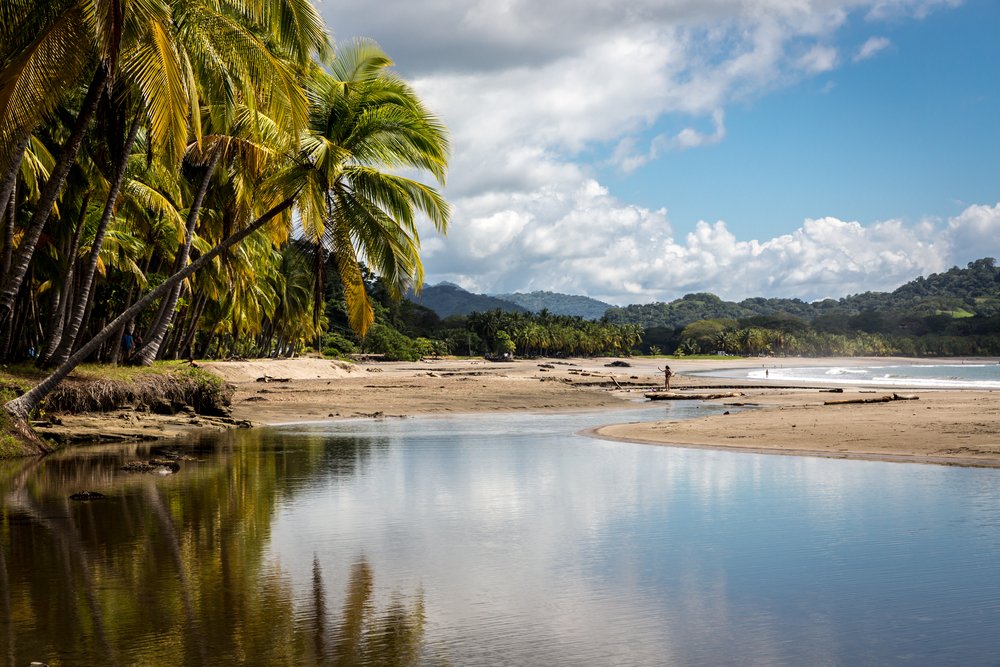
(974,290)
(447,299)
(559,304)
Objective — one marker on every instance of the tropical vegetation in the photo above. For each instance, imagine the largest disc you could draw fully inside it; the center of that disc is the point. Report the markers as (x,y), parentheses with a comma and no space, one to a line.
(194,186)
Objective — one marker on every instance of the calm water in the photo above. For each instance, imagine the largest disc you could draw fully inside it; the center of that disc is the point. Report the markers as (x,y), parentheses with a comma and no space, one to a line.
(495,539)
(925,375)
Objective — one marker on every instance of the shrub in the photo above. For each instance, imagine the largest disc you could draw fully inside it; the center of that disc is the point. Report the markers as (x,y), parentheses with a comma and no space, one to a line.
(336,344)
(389,342)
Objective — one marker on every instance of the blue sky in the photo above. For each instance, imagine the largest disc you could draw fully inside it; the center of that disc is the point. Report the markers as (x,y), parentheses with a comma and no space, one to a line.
(638,151)
(910,132)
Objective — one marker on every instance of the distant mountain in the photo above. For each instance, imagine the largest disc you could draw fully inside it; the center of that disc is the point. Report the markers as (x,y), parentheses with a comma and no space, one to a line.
(448,299)
(559,304)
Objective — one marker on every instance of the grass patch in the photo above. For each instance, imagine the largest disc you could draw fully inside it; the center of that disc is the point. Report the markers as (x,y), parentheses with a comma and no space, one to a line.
(163,387)
(9,445)
(961,313)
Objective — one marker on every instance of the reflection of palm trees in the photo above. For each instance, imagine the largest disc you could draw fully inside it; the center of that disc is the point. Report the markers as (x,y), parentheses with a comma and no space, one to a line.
(364,636)
(63,528)
(177,568)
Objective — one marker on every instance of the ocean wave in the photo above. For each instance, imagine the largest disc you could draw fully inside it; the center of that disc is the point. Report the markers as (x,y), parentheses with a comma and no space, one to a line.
(916,376)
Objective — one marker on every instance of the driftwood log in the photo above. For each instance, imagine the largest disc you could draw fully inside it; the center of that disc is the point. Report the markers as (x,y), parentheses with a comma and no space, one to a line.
(880,399)
(676,396)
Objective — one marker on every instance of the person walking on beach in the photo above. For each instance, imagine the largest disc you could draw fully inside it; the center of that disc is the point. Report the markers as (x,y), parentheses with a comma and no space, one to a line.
(667,374)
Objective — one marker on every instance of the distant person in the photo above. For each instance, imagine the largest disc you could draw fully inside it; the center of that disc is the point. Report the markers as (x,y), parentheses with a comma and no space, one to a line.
(667,374)
(128,345)
(32,353)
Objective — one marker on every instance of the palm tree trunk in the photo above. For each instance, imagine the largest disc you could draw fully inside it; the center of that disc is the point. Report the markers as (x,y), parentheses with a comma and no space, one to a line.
(59,323)
(8,232)
(154,338)
(319,292)
(187,348)
(53,187)
(87,277)
(20,143)
(20,408)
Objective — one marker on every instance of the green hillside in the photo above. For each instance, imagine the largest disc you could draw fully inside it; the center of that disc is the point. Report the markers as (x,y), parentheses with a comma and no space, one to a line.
(558,304)
(447,299)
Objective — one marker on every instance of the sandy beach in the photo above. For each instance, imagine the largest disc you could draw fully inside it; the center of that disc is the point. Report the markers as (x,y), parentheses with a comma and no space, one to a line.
(955,427)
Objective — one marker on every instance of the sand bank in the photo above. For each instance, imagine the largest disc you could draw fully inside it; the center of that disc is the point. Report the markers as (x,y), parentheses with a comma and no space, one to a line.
(953,427)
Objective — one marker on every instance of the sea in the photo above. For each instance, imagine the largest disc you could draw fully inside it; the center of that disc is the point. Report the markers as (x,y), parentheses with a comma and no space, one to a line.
(917,375)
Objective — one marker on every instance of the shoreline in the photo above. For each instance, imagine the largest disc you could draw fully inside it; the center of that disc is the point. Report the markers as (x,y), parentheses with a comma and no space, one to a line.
(943,427)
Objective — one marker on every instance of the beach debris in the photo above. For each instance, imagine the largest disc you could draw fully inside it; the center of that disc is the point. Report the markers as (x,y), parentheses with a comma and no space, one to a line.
(836,390)
(268,378)
(880,399)
(87,495)
(677,396)
(618,363)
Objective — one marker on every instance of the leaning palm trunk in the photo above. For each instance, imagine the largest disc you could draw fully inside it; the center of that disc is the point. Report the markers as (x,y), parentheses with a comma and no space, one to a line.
(53,187)
(72,329)
(20,408)
(151,347)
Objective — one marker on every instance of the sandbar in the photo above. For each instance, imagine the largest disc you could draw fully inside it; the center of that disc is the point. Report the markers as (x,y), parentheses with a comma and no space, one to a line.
(953,427)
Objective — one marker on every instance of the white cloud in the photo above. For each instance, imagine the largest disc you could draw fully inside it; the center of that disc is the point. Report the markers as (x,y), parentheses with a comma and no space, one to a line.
(532,91)
(625,254)
(818,59)
(872,46)
(975,233)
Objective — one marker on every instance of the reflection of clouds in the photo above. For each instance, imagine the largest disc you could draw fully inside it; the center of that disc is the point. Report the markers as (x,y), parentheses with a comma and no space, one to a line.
(550,547)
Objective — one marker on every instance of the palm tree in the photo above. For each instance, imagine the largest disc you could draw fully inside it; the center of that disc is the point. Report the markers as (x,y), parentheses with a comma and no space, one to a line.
(172,55)
(366,123)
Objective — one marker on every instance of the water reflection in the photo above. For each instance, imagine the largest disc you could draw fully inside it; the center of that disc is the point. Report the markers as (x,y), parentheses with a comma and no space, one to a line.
(173,569)
(479,540)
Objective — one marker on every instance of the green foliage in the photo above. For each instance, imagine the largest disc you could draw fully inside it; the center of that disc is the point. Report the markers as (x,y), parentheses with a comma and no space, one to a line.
(504,344)
(336,344)
(383,339)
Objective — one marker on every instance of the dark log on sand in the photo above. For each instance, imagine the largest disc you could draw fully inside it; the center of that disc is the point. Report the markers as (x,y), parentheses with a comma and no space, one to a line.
(880,399)
(676,396)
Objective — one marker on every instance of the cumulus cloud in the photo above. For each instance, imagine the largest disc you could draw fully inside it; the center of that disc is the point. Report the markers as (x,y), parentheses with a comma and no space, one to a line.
(626,254)
(872,46)
(533,91)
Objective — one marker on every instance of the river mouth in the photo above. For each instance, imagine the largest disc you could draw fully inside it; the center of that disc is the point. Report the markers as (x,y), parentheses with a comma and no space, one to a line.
(490,539)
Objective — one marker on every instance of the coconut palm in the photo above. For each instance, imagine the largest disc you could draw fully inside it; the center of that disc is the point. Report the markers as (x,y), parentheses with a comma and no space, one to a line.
(169,57)
(366,124)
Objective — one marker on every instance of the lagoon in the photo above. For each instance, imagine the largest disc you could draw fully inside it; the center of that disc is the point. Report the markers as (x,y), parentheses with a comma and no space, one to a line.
(495,539)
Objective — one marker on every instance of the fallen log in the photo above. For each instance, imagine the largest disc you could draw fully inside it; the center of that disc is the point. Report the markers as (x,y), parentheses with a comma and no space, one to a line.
(676,396)
(880,399)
